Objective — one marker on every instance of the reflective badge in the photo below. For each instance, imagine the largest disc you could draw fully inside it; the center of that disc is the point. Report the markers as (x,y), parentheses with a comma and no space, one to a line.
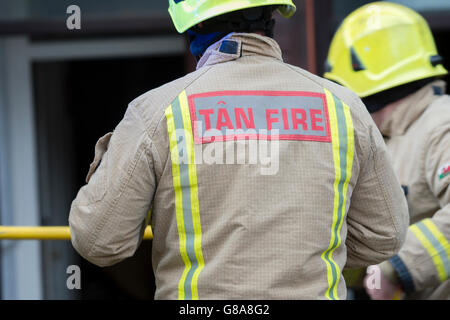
(444,171)
(259,115)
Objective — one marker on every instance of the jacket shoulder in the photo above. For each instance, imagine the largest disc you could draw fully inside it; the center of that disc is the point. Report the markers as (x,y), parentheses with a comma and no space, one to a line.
(358,110)
(438,113)
(434,122)
(152,104)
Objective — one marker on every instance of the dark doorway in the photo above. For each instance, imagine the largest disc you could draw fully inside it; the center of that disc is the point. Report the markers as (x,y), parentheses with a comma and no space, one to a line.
(77,102)
(441,37)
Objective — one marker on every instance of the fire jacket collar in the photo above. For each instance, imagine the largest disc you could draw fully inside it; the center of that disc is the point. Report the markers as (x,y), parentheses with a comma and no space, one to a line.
(236,45)
(411,108)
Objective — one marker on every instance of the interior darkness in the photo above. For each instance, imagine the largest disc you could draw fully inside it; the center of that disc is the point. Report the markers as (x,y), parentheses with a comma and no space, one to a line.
(99,92)
(77,102)
(441,37)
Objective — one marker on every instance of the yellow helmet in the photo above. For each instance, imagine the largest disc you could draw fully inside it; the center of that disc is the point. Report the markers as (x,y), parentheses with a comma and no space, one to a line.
(380,46)
(187,13)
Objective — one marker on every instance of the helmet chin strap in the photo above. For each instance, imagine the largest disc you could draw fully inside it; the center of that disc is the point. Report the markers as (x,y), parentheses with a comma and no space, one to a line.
(380,100)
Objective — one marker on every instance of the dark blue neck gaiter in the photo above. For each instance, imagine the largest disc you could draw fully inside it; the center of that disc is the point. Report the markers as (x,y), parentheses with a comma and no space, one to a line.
(200,42)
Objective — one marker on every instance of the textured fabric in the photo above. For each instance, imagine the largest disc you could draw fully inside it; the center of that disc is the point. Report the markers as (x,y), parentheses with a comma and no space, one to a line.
(233,229)
(418,139)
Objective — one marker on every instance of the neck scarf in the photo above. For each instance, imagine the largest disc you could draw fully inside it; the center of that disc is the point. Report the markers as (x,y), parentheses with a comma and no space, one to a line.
(200,42)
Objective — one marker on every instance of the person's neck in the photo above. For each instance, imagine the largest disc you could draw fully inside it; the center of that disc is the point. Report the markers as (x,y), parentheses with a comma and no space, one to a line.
(381,115)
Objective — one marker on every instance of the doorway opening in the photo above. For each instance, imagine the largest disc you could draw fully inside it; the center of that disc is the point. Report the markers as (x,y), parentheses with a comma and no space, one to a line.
(77,102)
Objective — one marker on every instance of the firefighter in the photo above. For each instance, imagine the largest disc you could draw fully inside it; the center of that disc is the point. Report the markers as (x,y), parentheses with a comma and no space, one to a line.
(386,53)
(263,180)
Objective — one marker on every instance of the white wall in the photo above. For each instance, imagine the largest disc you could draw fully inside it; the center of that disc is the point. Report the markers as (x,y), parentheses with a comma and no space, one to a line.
(21,261)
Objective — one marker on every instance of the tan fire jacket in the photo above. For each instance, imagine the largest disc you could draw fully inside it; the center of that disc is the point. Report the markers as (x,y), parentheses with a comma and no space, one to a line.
(263,181)
(418,139)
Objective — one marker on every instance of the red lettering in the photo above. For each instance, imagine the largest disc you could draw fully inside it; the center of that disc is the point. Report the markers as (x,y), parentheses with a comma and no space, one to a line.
(315,120)
(270,120)
(240,114)
(296,121)
(206,113)
(285,119)
(223,119)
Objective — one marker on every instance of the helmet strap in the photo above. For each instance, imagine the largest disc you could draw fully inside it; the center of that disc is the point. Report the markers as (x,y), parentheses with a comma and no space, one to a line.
(382,99)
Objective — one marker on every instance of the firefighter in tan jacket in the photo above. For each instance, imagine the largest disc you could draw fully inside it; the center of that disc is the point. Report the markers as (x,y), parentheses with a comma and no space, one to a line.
(263,180)
(393,65)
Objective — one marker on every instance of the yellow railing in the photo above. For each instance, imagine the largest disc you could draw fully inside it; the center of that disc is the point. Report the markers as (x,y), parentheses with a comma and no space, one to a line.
(45,233)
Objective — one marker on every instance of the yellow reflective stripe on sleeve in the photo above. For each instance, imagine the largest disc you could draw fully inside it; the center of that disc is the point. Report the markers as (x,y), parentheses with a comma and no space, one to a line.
(178,200)
(148,218)
(342,135)
(331,265)
(433,253)
(436,245)
(348,169)
(350,149)
(439,237)
(194,191)
(184,171)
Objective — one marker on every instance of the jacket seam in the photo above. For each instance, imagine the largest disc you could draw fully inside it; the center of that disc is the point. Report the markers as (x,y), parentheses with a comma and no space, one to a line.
(130,172)
(320,85)
(394,223)
(353,99)
(184,88)
(158,124)
(371,150)
(148,146)
(114,202)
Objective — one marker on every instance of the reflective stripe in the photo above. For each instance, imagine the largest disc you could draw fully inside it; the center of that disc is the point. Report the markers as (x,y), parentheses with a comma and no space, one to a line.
(342,136)
(436,245)
(186,195)
(148,219)
(178,199)
(192,167)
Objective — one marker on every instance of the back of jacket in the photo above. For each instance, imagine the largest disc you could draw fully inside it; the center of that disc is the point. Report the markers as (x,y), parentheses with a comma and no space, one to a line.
(263,181)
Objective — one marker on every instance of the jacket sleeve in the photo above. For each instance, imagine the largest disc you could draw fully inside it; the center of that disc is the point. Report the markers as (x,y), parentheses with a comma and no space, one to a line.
(378,216)
(107,218)
(424,260)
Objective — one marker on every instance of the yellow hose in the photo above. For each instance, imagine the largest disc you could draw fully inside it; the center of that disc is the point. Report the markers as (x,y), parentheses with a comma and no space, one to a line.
(45,233)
